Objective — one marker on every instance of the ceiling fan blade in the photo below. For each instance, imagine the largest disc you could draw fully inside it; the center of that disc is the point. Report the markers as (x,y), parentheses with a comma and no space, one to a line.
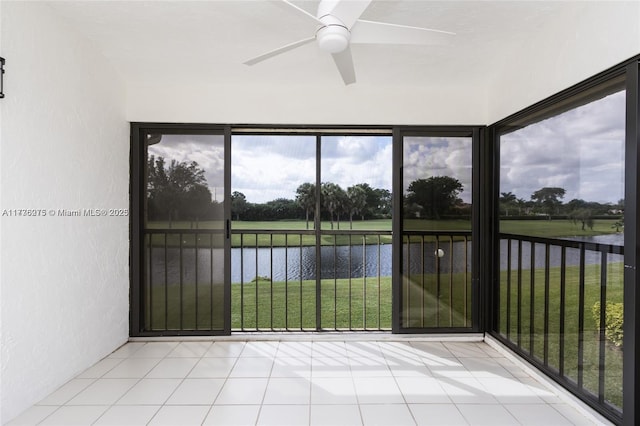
(344,62)
(347,11)
(279,50)
(371,32)
(304,12)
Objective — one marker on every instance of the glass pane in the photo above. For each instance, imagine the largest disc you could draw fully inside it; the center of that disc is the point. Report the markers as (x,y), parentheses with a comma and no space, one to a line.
(273,181)
(564,176)
(356,177)
(436,220)
(437,183)
(185,181)
(356,182)
(184,242)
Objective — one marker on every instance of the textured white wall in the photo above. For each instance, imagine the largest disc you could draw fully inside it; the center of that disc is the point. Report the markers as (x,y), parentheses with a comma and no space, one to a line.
(584,41)
(64,280)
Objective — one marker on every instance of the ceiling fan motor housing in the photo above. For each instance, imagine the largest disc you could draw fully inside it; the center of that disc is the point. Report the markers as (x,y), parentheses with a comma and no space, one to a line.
(334,36)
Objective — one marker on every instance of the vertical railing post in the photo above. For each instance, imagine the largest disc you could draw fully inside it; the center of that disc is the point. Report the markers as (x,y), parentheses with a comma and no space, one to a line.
(450,280)
(242,281)
(364,282)
(166,284)
(286,282)
(211,298)
(508,301)
(195,237)
(532,299)
(519,302)
(603,325)
(423,274)
(581,318)
(271,279)
(379,283)
(150,310)
(563,301)
(181,282)
(545,348)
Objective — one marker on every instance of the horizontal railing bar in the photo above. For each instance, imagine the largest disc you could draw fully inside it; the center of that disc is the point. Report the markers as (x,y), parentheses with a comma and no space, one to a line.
(437,233)
(183,231)
(273,231)
(608,248)
(307,232)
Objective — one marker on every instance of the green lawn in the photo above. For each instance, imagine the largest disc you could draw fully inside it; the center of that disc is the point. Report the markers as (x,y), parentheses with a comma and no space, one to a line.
(279,305)
(541,228)
(556,228)
(281,240)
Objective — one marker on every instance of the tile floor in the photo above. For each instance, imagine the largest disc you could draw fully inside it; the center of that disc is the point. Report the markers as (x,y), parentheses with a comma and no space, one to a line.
(303,383)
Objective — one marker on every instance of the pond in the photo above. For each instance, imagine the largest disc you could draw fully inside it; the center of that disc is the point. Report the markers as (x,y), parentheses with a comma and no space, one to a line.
(299,263)
(572,255)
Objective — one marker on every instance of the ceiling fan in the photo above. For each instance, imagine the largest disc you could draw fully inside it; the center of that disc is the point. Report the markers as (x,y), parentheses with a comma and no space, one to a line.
(338,26)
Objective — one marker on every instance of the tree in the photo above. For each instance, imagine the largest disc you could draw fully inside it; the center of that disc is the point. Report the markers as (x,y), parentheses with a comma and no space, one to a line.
(383,203)
(239,204)
(333,199)
(507,200)
(584,216)
(549,199)
(306,198)
(178,191)
(283,208)
(357,201)
(436,195)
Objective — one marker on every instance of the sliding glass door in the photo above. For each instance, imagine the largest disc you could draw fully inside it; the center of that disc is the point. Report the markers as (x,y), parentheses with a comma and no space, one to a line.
(435,289)
(182,276)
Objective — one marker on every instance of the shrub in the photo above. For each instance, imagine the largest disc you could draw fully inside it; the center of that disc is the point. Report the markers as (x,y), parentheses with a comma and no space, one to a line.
(613,321)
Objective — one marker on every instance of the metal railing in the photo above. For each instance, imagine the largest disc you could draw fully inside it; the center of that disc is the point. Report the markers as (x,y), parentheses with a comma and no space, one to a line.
(304,280)
(183,284)
(560,306)
(436,279)
(293,280)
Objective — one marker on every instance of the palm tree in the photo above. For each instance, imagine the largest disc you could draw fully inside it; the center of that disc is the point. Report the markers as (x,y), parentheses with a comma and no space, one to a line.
(333,200)
(306,197)
(507,199)
(357,201)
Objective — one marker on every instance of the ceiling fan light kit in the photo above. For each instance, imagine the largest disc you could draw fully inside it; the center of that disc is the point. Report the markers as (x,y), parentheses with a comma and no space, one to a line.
(338,26)
(333,37)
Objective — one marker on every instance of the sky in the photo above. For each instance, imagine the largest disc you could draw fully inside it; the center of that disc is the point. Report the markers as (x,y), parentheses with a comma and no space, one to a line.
(426,157)
(206,150)
(581,150)
(267,167)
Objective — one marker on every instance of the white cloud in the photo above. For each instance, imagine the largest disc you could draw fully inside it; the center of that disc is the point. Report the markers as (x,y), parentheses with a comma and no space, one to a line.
(350,160)
(581,150)
(206,150)
(429,156)
(268,167)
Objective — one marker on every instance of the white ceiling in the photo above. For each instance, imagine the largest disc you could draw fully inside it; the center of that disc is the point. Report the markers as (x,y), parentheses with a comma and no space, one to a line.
(202,42)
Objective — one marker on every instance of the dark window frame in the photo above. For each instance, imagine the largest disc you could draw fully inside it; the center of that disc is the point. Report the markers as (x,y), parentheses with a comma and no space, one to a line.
(137,191)
(476,133)
(579,94)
